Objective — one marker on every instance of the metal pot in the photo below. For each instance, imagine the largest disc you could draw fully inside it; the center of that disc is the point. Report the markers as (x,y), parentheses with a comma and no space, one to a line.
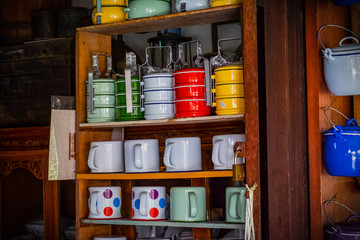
(348,230)
(342,149)
(342,65)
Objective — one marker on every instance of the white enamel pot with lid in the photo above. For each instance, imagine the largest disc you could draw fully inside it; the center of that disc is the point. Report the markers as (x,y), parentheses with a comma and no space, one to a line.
(341,65)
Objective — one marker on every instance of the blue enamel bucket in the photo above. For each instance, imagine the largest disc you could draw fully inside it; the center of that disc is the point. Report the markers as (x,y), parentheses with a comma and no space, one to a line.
(342,149)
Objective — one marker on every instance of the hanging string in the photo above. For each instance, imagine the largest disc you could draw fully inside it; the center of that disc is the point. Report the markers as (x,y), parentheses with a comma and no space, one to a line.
(249,222)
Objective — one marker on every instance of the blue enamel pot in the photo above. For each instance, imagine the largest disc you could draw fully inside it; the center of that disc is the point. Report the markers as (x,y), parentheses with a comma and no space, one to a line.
(342,150)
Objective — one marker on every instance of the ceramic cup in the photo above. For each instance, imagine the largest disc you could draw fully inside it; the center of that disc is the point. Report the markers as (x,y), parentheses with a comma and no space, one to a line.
(142,155)
(188,204)
(182,154)
(109,237)
(104,202)
(235,204)
(148,203)
(106,156)
(223,150)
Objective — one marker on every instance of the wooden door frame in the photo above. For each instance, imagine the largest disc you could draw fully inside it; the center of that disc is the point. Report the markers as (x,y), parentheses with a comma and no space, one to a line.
(285,203)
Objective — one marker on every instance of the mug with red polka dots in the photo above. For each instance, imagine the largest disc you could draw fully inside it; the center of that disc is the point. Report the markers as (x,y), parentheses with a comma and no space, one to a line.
(148,203)
(104,202)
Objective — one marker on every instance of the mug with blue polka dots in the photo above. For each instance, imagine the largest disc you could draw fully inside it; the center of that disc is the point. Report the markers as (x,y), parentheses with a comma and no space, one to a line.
(104,202)
(148,203)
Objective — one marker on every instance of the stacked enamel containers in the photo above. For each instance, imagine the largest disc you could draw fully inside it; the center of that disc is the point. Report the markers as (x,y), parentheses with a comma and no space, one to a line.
(120,100)
(102,100)
(229,90)
(108,11)
(159,96)
(189,89)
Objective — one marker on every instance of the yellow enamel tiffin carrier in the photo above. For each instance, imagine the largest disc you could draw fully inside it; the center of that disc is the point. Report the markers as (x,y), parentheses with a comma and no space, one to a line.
(229,90)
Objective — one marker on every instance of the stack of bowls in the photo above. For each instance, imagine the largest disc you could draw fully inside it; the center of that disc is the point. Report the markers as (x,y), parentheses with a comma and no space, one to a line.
(229,90)
(218,3)
(120,100)
(190,93)
(111,11)
(159,96)
(103,100)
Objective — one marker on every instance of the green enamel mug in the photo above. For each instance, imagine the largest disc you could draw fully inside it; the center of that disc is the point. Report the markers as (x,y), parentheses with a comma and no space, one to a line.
(235,204)
(188,204)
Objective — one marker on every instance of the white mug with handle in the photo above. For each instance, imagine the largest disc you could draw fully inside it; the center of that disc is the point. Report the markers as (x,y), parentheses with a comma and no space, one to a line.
(223,150)
(182,154)
(142,155)
(106,157)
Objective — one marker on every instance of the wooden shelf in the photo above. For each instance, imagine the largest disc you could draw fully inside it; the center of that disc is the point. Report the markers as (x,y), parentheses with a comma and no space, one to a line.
(161,122)
(175,20)
(160,175)
(208,224)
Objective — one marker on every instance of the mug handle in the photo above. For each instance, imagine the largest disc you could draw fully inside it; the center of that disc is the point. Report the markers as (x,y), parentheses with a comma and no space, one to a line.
(93,203)
(167,155)
(143,201)
(233,206)
(241,205)
(193,205)
(138,156)
(215,153)
(91,158)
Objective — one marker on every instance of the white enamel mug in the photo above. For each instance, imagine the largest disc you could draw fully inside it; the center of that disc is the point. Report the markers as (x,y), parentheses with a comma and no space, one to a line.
(104,202)
(182,154)
(106,157)
(148,203)
(142,155)
(223,150)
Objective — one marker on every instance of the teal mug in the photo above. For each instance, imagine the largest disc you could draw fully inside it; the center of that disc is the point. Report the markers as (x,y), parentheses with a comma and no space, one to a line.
(188,204)
(235,204)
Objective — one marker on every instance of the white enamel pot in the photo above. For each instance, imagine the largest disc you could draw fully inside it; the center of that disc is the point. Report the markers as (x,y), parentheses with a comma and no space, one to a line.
(341,65)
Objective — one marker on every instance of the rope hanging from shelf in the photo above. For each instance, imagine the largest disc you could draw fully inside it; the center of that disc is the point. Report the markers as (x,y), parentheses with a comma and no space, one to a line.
(249,220)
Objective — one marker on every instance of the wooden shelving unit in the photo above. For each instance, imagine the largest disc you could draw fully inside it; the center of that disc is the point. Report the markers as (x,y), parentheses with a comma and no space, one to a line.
(209,224)
(97,39)
(160,175)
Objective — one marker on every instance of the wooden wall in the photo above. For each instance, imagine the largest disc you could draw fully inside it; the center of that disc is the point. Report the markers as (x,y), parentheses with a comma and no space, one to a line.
(286,201)
(323,186)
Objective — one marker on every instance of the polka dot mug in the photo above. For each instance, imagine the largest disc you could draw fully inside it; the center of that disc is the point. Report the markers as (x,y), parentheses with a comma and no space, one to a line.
(104,202)
(148,203)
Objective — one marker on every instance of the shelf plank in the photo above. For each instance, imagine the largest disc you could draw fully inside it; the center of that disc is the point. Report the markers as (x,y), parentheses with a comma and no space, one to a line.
(160,122)
(159,175)
(175,20)
(208,224)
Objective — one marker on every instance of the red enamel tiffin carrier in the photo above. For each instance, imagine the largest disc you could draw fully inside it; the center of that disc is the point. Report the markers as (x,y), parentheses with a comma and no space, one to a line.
(192,88)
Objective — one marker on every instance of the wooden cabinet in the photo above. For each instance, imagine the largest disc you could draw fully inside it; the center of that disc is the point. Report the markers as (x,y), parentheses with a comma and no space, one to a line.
(27,148)
(97,39)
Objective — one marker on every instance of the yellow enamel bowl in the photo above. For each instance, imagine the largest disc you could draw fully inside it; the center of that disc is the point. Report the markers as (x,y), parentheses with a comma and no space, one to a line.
(109,14)
(218,3)
(229,75)
(229,90)
(229,106)
(111,2)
